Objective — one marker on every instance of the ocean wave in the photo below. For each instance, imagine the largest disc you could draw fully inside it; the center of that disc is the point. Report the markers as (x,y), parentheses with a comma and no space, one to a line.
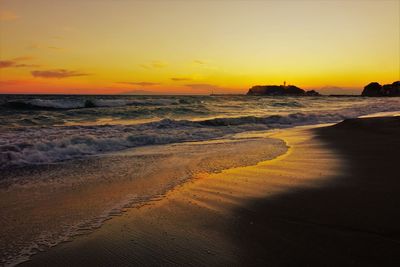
(287,104)
(55,104)
(53,144)
(44,104)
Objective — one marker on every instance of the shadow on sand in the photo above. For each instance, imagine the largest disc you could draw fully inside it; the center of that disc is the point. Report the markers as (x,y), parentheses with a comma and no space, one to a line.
(355,221)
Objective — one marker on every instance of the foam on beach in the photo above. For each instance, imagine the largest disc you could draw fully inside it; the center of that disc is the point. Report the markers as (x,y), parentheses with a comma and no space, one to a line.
(195,224)
(64,172)
(55,203)
(42,145)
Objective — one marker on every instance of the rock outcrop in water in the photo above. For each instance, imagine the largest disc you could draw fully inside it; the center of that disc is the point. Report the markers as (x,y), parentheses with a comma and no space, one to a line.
(375,89)
(280,90)
(312,93)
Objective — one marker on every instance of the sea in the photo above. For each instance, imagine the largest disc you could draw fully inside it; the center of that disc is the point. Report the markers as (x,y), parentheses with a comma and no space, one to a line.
(40,129)
(70,163)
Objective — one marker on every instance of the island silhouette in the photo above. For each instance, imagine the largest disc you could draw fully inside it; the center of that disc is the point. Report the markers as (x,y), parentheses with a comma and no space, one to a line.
(375,89)
(280,90)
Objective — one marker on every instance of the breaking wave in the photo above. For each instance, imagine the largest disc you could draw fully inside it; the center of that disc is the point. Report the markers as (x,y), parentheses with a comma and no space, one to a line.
(54,104)
(54,144)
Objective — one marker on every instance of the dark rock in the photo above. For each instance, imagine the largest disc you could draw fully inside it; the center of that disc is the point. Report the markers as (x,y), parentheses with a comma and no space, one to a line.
(396,83)
(276,90)
(388,90)
(312,93)
(375,89)
(372,89)
(391,89)
(89,104)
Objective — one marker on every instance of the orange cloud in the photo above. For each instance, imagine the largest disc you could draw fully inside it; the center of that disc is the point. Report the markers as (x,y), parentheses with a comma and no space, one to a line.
(23,58)
(6,63)
(180,79)
(58,74)
(13,63)
(27,65)
(139,83)
(45,47)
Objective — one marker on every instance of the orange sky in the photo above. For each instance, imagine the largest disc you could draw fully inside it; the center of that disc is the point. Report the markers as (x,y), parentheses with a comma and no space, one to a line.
(195,47)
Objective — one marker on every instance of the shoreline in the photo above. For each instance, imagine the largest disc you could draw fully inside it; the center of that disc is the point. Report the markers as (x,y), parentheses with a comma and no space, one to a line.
(193,224)
(321,203)
(55,203)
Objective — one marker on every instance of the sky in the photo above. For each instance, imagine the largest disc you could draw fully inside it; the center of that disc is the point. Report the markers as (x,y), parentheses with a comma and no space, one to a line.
(196,47)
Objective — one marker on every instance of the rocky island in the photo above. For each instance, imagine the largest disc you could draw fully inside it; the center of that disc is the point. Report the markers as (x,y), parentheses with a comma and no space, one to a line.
(375,89)
(280,90)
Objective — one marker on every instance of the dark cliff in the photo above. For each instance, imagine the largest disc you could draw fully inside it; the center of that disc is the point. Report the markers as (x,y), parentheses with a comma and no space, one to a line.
(375,89)
(280,90)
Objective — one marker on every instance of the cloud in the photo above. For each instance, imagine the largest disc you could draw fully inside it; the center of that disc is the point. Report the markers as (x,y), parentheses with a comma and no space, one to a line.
(27,65)
(154,64)
(205,64)
(58,74)
(7,15)
(197,61)
(180,79)
(139,83)
(33,46)
(14,63)
(7,63)
(45,47)
(23,58)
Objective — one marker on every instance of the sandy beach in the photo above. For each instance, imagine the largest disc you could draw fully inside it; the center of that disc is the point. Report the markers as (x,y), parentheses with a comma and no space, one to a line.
(199,133)
(331,200)
(354,221)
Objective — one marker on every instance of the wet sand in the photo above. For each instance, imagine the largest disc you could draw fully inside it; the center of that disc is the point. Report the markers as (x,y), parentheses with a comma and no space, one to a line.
(355,221)
(331,200)
(41,206)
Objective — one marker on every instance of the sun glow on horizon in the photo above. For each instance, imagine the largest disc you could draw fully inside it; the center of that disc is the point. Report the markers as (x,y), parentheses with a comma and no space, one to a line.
(196,47)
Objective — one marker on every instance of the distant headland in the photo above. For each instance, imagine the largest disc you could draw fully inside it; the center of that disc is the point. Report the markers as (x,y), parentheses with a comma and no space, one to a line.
(372,89)
(375,89)
(280,90)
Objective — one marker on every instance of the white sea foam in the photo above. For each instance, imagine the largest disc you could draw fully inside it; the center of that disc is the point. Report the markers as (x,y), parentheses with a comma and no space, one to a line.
(33,136)
(54,144)
(165,167)
(85,103)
